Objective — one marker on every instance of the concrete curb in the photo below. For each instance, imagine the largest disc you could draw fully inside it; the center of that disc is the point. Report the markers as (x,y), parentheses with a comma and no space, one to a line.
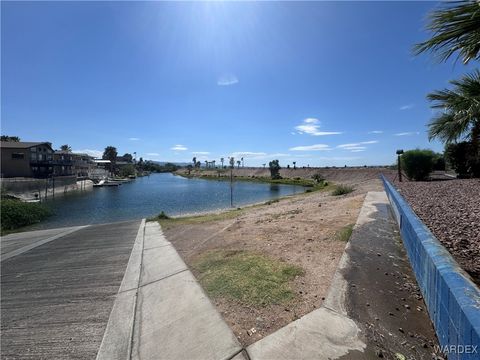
(453,300)
(117,338)
(161,312)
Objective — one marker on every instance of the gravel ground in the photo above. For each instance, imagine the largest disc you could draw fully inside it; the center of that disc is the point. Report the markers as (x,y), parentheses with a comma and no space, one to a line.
(451,210)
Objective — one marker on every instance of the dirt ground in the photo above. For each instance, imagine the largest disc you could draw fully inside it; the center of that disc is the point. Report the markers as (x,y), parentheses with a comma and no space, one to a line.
(299,230)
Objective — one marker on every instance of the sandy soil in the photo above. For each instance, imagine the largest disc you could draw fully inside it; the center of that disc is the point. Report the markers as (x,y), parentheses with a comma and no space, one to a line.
(299,230)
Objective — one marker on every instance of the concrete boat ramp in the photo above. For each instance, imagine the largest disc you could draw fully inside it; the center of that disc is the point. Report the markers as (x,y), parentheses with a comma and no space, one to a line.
(121,291)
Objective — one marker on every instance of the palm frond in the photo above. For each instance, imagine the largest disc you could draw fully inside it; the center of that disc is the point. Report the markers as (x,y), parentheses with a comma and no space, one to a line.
(456,29)
(461,108)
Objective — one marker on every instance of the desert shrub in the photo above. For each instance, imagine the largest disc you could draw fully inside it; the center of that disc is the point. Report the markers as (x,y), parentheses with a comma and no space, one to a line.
(342,190)
(439,162)
(16,214)
(163,216)
(460,156)
(418,164)
(318,178)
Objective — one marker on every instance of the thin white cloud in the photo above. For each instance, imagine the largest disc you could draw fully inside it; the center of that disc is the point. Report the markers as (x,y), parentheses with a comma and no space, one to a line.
(311,126)
(201,152)
(179,148)
(406,107)
(247,154)
(152,154)
(257,155)
(409,133)
(357,146)
(91,152)
(133,139)
(358,150)
(346,146)
(227,80)
(316,147)
(376,132)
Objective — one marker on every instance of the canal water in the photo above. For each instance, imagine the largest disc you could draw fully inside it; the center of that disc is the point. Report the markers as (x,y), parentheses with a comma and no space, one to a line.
(148,196)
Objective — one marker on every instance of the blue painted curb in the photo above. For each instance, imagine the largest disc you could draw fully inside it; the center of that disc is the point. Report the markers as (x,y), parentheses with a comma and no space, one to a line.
(452,299)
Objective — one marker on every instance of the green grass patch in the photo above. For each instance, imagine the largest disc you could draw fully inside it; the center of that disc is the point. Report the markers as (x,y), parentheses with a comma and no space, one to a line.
(16,214)
(342,190)
(344,233)
(251,278)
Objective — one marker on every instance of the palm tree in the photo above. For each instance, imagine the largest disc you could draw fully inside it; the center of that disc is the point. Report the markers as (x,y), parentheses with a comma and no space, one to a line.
(242,162)
(222,160)
(238,164)
(461,112)
(206,163)
(456,29)
(294,165)
(194,160)
(66,148)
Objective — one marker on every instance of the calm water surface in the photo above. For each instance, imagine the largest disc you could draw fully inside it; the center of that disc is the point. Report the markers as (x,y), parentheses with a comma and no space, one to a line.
(147,196)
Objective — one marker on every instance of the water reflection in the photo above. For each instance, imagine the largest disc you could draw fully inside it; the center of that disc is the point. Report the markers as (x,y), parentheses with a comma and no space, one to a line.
(146,197)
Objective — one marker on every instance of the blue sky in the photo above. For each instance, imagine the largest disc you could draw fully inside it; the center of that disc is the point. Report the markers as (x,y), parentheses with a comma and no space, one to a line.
(319,83)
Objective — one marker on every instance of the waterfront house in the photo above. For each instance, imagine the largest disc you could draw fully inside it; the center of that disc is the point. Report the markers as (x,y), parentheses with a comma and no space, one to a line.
(63,161)
(26,159)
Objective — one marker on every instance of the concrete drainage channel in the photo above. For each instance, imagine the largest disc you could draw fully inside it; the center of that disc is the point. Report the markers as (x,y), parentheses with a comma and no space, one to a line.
(453,300)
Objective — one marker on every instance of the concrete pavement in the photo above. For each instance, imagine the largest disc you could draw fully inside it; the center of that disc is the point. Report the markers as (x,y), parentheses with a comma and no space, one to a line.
(57,296)
(161,312)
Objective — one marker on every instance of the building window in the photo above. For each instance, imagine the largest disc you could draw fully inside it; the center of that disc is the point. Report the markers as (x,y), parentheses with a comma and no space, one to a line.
(18,156)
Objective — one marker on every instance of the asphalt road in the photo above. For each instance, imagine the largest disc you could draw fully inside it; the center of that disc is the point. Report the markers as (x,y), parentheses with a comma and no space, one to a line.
(57,296)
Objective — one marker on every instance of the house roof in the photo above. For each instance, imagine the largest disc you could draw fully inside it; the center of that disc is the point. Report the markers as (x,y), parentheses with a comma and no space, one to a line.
(22,144)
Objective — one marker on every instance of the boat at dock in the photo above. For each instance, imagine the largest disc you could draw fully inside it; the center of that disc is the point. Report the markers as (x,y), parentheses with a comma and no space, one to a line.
(103,183)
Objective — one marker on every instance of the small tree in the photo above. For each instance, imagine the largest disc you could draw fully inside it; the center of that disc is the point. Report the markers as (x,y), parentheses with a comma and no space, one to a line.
(318,178)
(127,170)
(194,160)
(294,165)
(128,157)
(10,138)
(238,164)
(66,148)
(418,164)
(110,153)
(232,162)
(274,166)
(222,160)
